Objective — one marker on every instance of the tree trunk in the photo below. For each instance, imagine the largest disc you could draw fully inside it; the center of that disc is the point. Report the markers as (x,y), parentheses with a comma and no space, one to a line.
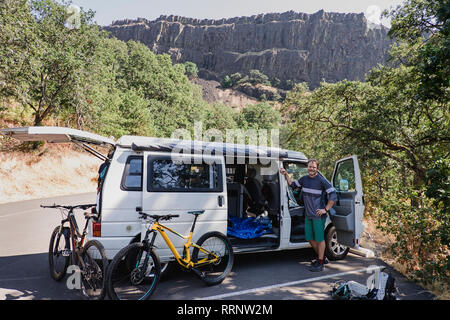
(417,183)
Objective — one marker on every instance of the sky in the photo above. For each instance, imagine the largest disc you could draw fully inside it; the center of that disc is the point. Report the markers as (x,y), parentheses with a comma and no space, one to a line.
(108,11)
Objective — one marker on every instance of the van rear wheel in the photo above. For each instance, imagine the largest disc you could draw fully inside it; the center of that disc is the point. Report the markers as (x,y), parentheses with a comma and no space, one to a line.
(333,249)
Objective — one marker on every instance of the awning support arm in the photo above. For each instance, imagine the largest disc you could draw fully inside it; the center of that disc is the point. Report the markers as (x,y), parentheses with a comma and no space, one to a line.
(92,151)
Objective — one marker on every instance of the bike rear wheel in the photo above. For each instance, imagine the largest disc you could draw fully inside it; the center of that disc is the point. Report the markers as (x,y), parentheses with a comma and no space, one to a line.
(59,253)
(128,278)
(213,272)
(93,273)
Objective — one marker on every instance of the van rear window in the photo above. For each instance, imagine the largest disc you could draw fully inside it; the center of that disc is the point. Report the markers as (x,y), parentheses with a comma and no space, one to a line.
(132,174)
(167,175)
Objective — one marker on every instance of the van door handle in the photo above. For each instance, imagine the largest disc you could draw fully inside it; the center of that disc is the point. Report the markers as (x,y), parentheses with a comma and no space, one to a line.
(221,200)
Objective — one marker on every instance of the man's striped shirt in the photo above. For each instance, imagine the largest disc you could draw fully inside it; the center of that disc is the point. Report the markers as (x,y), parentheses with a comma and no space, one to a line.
(314,191)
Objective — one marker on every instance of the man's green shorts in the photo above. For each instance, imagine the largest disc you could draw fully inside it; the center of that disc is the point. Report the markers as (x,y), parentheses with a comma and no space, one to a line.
(314,229)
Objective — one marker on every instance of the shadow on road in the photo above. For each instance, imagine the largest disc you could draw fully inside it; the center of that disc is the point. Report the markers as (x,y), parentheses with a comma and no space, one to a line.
(27,277)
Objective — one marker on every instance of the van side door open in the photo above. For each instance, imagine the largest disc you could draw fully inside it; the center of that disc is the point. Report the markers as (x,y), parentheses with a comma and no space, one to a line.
(349,208)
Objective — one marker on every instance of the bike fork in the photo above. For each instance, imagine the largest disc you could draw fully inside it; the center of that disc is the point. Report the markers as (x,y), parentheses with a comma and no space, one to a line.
(149,249)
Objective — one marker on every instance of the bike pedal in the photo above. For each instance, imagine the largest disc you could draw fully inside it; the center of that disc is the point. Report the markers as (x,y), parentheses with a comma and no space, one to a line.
(197,272)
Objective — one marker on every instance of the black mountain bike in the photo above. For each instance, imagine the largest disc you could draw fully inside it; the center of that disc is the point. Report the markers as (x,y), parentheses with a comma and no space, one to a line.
(67,247)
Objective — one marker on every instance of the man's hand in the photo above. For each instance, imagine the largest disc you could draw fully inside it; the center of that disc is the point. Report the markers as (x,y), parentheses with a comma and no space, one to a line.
(321,212)
(286,175)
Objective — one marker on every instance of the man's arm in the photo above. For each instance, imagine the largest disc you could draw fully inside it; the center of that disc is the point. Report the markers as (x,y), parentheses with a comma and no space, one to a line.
(286,175)
(293,184)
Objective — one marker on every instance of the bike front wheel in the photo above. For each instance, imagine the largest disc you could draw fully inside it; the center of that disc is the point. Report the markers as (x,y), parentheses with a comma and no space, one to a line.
(214,259)
(134,273)
(93,270)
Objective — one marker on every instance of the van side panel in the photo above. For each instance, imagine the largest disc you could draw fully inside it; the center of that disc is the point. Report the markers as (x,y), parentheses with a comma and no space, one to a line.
(120,223)
(162,203)
(209,221)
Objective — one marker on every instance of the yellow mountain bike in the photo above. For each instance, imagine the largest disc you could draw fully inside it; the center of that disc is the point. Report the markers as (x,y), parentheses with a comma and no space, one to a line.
(135,271)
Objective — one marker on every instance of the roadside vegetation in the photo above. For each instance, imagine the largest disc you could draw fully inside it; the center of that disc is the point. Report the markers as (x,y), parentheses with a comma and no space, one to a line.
(258,85)
(397,121)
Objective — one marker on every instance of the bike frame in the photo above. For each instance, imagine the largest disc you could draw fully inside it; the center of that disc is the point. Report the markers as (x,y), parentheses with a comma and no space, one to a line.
(76,239)
(186,262)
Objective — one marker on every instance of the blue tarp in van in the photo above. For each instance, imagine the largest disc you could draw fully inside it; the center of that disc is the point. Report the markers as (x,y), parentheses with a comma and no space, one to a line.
(248,228)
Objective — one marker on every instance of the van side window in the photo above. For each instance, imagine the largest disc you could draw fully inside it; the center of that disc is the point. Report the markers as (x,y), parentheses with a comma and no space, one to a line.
(167,175)
(132,174)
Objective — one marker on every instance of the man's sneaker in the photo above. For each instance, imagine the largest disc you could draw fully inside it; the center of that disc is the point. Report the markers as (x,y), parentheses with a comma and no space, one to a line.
(316,267)
(325,261)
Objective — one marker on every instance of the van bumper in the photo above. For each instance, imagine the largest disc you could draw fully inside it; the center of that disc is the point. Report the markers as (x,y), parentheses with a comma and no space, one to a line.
(112,245)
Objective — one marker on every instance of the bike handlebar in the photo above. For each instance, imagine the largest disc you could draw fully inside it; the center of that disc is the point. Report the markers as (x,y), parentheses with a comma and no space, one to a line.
(79,206)
(157,217)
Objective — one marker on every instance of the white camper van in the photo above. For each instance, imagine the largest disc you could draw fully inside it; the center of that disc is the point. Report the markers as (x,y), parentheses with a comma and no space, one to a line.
(162,176)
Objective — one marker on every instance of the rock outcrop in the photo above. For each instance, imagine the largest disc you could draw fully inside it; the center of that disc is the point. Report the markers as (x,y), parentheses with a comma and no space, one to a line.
(289,46)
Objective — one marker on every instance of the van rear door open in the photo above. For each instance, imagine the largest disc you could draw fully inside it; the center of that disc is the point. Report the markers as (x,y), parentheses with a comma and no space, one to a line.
(349,208)
(61,135)
(56,135)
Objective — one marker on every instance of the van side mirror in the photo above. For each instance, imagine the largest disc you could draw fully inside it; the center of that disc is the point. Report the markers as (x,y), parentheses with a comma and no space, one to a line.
(138,209)
(343,185)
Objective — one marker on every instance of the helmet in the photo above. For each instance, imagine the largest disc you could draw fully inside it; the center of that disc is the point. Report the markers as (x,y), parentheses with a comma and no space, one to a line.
(340,291)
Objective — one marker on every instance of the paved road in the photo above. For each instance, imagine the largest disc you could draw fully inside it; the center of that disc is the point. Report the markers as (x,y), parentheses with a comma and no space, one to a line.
(25,230)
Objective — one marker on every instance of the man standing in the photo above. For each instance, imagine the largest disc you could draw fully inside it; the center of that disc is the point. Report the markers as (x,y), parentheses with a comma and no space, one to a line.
(314,187)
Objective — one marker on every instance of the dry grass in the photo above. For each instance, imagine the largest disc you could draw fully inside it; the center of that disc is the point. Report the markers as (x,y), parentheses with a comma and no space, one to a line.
(56,170)
(380,243)
(375,240)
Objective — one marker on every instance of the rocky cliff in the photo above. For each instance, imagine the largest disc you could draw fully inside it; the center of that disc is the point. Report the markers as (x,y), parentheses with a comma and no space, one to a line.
(289,46)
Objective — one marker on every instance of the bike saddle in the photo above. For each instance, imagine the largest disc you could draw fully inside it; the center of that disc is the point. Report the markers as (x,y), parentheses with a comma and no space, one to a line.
(197,212)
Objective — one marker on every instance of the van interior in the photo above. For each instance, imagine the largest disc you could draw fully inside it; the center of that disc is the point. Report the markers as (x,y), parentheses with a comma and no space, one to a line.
(252,193)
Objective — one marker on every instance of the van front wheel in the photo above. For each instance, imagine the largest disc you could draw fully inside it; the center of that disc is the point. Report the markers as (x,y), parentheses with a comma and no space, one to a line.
(334,250)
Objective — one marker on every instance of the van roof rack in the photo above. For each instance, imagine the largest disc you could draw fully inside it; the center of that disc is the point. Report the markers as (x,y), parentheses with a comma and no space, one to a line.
(210,148)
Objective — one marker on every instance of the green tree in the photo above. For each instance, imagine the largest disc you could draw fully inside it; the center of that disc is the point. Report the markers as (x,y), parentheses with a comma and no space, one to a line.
(191,69)
(423,25)
(51,60)
(275,82)
(172,100)
(235,77)
(220,117)
(288,84)
(257,77)
(258,116)
(226,82)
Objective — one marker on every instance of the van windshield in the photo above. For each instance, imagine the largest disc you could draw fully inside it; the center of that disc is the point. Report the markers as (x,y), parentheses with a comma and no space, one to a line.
(295,170)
